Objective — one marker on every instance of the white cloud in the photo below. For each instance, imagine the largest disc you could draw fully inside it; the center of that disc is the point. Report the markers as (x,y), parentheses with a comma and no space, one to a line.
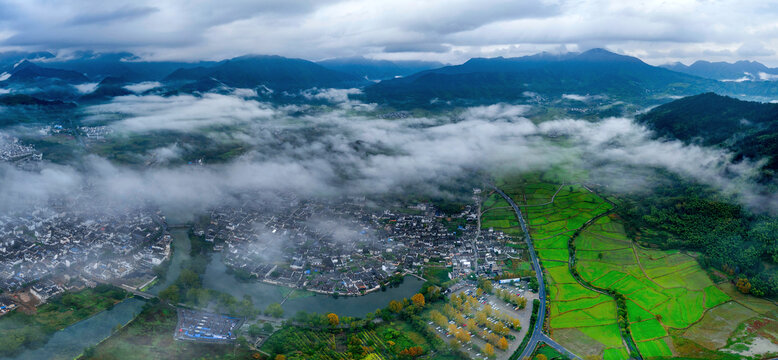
(143,86)
(86,88)
(335,151)
(766,76)
(183,112)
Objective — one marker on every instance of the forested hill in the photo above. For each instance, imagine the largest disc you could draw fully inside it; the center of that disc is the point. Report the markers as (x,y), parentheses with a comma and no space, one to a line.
(596,71)
(750,129)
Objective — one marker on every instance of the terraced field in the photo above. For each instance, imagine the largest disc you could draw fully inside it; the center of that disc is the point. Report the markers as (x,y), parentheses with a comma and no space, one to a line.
(580,319)
(664,289)
(498,215)
(673,308)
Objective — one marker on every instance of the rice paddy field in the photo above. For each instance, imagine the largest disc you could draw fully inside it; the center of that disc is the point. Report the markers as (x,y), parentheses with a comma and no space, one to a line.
(498,215)
(664,289)
(673,307)
(580,319)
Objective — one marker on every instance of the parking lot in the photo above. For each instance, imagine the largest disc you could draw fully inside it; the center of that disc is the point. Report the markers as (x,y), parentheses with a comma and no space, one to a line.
(499,306)
(207,327)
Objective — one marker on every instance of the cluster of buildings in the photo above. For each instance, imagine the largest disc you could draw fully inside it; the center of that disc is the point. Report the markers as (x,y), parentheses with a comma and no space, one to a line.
(95,132)
(12,150)
(347,247)
(52,244)
(205,327)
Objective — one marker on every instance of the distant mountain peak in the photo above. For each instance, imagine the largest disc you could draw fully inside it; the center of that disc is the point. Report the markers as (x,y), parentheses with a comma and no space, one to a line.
(602,55)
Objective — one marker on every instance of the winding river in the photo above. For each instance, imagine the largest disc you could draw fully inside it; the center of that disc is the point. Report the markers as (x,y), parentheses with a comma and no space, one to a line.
(72,340)
(264,294)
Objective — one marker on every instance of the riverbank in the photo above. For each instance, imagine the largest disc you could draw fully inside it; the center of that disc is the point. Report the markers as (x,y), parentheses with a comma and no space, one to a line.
(71,341)
(262,294)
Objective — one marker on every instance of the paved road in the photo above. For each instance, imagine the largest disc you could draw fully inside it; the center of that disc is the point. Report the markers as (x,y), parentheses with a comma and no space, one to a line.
(537,332)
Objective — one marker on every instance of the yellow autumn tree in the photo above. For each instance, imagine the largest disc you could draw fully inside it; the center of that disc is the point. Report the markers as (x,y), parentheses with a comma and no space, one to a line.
(516,323)
(333,319)
(489,349)
(395,306)
(743,285)
(418,300)
(280,357)
(502,343)
(463,336)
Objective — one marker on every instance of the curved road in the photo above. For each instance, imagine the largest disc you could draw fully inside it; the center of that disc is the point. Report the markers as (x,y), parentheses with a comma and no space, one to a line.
(537,332)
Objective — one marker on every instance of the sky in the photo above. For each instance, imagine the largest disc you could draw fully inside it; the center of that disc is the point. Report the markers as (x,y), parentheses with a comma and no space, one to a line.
(450,31)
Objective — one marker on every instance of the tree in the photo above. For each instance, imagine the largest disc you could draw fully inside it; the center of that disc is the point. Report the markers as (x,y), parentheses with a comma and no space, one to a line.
(486,285)
(418,300)
(189,279)
(502,343)
(274,310)
(489,349)
(438,318)
(333,319)
(171,294)
(743,285)
(254,330)
(541,357)
(280,357)
(480,317)
(413,351)
(463,336)
(533,284)
(267,327)
(395,306)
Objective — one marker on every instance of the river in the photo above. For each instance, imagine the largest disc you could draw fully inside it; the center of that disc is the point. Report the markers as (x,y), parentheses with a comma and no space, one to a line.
(72,340)
(263,294)
(181,246)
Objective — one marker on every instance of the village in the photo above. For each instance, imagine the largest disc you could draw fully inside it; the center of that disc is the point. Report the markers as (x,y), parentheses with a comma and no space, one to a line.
(54,248)
(349,248)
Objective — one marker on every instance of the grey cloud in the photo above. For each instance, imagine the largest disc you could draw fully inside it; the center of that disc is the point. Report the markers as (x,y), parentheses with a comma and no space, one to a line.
(449,31)
(428,47)
(754,49)
(122,13)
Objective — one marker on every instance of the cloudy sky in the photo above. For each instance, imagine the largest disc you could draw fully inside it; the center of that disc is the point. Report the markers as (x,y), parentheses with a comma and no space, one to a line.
(447,30)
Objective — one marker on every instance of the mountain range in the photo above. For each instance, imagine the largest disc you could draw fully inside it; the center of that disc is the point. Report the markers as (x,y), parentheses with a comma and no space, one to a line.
(373,70)
(724,71)
(88,76)
(596,71)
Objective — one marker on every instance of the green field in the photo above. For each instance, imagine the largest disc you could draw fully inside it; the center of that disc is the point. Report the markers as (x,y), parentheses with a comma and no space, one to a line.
(672,305)
(497,214)
(571,306)
(654,348)
(20,330)
(664,289)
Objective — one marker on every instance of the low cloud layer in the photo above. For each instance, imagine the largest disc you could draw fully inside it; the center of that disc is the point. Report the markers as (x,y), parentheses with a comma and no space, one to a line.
(334,152)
